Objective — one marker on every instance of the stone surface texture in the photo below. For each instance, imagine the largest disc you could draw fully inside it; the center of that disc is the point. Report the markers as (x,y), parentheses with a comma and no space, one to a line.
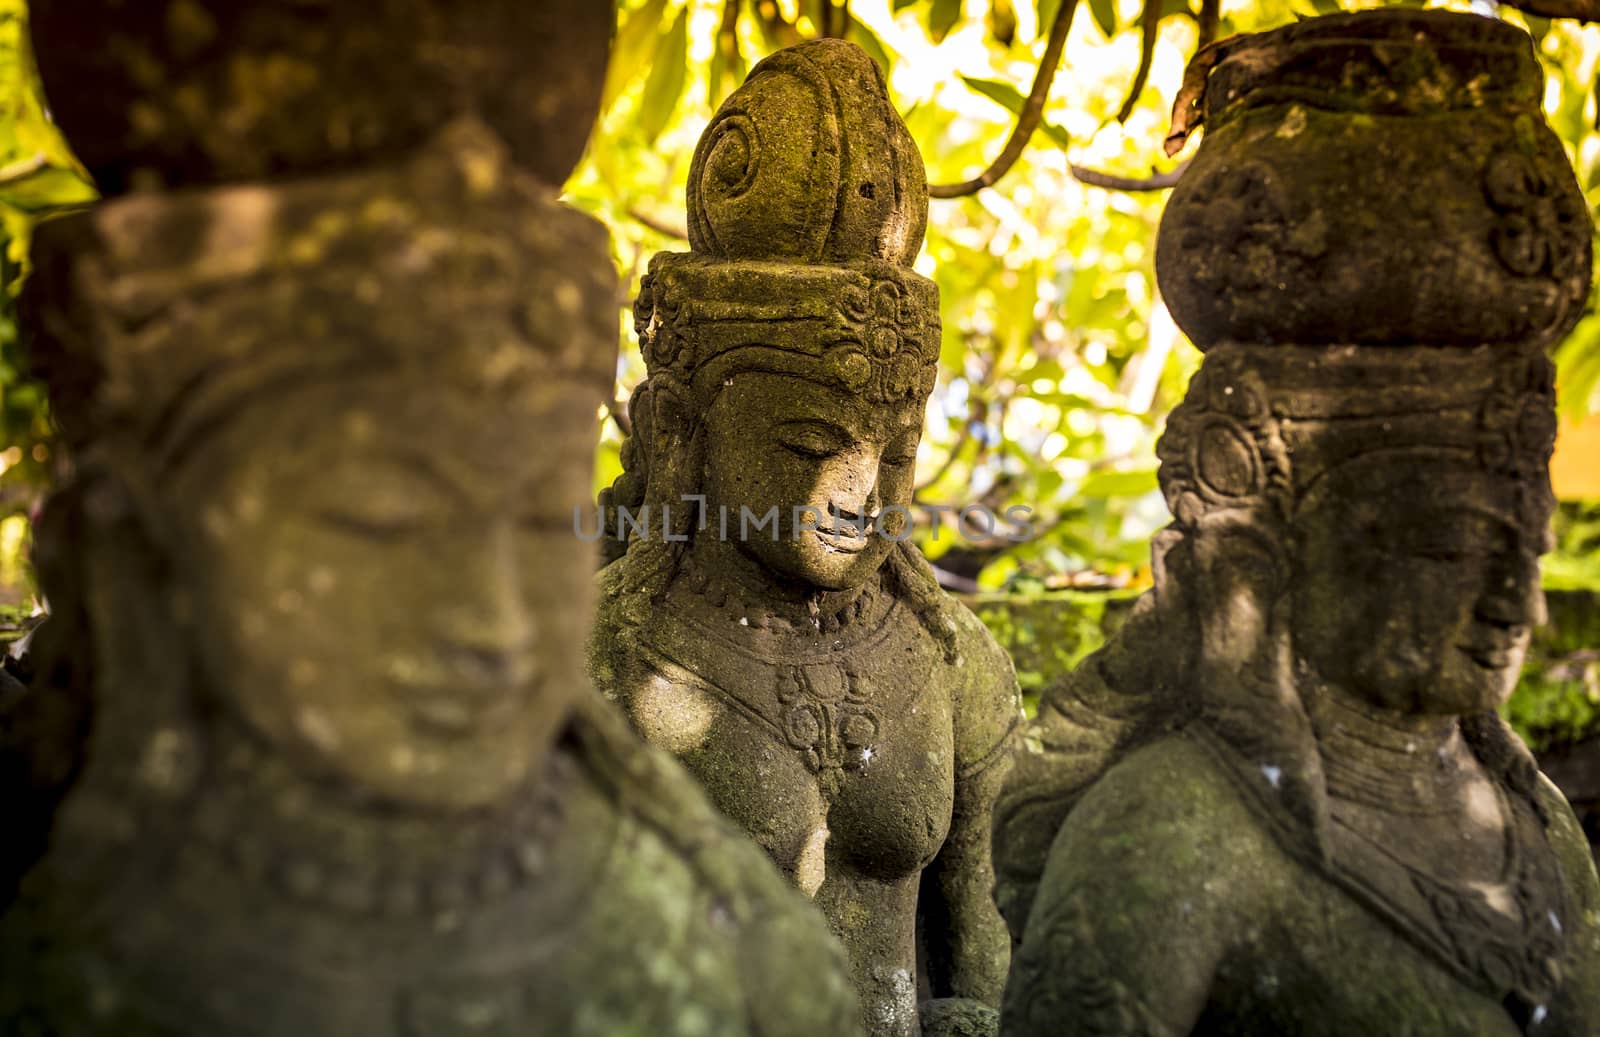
(1280,799)
(187,92)
(309,750)
(833,700)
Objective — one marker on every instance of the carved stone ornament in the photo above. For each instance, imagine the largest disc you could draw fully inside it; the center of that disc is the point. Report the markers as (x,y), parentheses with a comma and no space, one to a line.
(833,700)
(310,751)
(1281,799)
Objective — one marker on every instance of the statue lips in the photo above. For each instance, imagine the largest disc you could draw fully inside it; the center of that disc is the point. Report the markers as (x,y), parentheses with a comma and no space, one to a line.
(459,709)
(1494,646)
(850,534)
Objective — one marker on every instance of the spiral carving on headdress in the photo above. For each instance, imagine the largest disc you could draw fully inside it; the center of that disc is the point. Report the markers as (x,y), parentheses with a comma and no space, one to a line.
(794,165)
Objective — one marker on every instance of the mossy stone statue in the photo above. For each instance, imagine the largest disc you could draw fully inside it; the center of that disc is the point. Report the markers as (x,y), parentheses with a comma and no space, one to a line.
(310,752)
(1281,800)
(803,663)
(187,92)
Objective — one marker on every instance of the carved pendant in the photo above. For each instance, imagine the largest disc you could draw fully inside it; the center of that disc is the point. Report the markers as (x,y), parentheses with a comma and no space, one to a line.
(828,718)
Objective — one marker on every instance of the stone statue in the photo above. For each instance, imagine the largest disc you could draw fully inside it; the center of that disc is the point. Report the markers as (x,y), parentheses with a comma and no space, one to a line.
(310,751)
(769,623)
(1281,801)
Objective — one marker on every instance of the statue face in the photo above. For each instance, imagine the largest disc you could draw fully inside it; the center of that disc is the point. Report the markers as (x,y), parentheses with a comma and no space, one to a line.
(1418,590)
(383,580)
(780,440)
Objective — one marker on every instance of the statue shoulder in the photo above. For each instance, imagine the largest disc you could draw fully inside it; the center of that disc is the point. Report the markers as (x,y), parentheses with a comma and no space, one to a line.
(792,972)
(1168,807)
(1155,874)
(1577,865)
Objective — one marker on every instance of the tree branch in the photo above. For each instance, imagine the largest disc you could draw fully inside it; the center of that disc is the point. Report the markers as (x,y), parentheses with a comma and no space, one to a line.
(778,29)
(661,227)
(1112,182)
(1028,119)
(1151,28)
(1577,10)
(833,18)
(619,414)
(726,61)
(962,439)
(1210,15)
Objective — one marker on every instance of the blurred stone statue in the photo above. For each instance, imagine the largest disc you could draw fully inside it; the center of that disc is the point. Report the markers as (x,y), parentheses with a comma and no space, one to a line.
(310,751)
(766,618)
(1281,800)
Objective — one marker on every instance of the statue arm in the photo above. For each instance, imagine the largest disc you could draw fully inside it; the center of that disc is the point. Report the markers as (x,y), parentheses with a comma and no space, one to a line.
(1580,997)
(1137,905)
(1120,697)
(967,942)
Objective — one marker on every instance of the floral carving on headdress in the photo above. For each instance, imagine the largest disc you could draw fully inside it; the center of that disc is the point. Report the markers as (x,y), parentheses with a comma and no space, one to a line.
(1223,447)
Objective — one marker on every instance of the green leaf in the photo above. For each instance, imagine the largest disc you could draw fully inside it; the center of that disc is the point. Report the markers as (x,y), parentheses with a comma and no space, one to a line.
(724,76)
(1006,96)
(901,5)
(868,41)
(668,73)
(1134,483)
(1046,10)
(942,17)
(46,189)
(635,40)
(1002,22)
(1105,16)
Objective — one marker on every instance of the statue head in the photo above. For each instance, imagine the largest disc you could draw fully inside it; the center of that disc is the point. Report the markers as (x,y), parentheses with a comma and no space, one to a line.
(1393,502)
(347,422)
(790,355)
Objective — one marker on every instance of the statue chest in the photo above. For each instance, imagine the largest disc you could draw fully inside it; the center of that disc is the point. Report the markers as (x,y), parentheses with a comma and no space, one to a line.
(592,928)
(845,751)
(1328,965)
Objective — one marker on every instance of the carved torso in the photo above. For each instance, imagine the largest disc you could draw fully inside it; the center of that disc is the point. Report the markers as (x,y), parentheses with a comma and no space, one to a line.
(839,745)
(256,908)
(1352,945)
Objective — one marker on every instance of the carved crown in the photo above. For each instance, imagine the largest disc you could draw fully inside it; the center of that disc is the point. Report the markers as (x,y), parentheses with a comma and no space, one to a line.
(1262,425)
(807,202)
(155,314)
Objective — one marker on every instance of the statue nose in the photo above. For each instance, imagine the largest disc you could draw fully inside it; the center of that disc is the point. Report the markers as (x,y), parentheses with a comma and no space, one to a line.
(1513,595)
(859,496)
(485,625)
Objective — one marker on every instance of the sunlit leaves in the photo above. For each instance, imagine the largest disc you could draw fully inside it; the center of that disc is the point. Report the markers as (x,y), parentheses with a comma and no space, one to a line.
(1002,22)
(1105,16)
(636,41)
(942,17)
(1058,362)
(38,176)
(669,73)
(1007,97)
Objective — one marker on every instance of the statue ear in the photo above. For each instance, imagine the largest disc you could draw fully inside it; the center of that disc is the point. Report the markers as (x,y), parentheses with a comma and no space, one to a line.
(1236,572)
(669,408)
(675,464)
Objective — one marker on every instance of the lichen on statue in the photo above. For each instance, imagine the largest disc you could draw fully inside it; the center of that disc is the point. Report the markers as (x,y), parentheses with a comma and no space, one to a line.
(1281,799)
(806,666)
(312,751)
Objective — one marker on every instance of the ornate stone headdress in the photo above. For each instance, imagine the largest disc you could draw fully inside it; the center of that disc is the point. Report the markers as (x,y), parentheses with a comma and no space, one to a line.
(803,224)
(298,281)
(1262,426)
